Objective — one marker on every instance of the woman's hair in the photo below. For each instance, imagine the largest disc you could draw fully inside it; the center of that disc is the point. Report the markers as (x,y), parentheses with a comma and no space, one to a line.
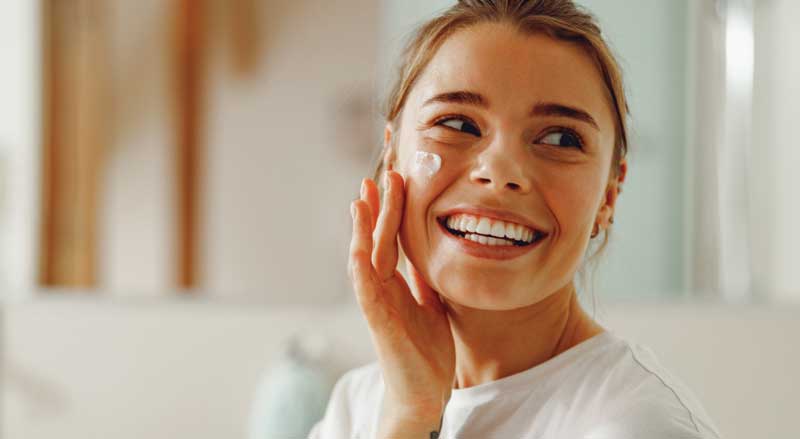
(559,19)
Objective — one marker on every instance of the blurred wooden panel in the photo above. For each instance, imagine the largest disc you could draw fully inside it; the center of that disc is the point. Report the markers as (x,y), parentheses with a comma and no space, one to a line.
(189,51)
(73,131)
(244,34)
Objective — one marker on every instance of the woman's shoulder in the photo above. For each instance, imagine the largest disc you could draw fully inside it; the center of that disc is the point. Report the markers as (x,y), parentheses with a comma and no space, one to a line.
(361,383)
(644,399)
(354,404)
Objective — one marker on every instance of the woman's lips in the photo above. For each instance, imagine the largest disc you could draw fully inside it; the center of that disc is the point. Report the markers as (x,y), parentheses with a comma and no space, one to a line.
(498,252)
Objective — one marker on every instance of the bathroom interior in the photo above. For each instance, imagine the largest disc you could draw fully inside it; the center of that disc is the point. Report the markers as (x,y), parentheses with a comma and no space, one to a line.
(175,180)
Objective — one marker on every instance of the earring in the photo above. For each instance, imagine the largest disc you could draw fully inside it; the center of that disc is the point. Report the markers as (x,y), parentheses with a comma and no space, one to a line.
(595,231)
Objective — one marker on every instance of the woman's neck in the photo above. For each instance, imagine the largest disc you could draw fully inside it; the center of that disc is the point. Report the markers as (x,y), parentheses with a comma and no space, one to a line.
(494,344)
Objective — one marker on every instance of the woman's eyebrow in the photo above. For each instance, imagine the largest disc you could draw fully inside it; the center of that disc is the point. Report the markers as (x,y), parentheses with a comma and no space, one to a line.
(540,109)
(459,97)
(553,109)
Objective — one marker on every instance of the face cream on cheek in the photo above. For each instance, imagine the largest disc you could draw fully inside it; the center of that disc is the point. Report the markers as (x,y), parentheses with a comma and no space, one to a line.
(426,164)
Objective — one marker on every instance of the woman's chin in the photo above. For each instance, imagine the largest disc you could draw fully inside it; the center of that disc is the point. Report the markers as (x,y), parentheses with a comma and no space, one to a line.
(480,293)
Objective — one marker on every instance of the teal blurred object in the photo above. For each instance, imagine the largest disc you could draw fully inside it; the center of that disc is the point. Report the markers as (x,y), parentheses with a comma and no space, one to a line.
(293,393)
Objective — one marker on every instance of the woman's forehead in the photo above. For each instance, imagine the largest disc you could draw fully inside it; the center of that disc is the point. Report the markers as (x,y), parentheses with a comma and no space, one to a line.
(503,64)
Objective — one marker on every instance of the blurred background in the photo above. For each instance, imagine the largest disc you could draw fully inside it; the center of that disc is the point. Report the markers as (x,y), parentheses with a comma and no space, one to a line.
(175,177)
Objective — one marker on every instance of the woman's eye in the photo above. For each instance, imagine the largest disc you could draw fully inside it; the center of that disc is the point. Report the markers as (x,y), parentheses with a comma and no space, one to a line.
(562,138)
(462,125)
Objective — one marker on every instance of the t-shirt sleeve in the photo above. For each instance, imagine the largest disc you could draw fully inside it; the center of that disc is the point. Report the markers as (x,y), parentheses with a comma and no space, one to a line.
(336,423)
(354,405)
(652,420)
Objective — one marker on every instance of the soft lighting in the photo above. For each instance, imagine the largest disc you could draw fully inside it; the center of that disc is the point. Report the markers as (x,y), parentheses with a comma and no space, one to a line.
(739,49)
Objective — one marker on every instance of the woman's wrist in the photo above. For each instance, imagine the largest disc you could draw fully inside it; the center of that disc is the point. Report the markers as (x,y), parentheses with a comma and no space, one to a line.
(401,422)
(392,427)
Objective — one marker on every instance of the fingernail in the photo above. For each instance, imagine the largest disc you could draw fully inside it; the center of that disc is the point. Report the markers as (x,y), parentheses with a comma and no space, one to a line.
(386,180)
(353,210)
(363,188)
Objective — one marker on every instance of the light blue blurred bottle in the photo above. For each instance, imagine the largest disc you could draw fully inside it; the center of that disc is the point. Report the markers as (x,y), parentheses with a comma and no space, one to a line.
(293,394)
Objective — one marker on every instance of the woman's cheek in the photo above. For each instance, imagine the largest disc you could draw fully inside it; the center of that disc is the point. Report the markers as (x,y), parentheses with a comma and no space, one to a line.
(421,171)
(421,164)
(432,160)
(425,168)
(426,165)
(568,199)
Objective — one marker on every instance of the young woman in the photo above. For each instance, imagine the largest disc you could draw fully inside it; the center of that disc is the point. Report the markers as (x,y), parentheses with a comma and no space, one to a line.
(504,153)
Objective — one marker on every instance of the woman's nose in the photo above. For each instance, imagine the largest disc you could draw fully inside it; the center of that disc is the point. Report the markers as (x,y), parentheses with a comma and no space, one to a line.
(498,168)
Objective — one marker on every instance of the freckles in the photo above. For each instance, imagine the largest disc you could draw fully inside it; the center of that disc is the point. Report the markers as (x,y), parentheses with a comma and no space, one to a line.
(426,164)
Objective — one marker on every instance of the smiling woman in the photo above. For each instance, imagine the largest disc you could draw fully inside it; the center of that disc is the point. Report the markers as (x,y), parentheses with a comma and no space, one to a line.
(523,105)
(520,155)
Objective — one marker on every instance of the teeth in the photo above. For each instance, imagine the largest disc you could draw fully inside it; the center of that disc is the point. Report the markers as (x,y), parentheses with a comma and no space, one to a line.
(490,227)
(472,223)
(499,229)
(487,240)
(462,223)
(511,231)
(483,227)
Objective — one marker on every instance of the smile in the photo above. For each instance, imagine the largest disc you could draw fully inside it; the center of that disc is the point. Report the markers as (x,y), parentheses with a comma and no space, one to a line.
(490,231)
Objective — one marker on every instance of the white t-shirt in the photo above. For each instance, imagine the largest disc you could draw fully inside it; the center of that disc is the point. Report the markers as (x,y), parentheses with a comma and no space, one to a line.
(602,388)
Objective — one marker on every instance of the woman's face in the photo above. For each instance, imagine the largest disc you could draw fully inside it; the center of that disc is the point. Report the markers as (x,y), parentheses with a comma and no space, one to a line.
(524,127)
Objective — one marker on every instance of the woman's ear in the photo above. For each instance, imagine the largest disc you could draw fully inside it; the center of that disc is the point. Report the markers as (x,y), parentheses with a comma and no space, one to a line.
(610,199)
(389,155)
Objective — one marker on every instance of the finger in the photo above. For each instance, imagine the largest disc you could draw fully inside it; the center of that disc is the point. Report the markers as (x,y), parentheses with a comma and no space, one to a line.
(360,264)
(369,193)
(427,296)
(384,257)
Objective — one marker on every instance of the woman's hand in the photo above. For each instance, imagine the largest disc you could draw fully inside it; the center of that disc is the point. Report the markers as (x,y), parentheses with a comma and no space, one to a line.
(411,334)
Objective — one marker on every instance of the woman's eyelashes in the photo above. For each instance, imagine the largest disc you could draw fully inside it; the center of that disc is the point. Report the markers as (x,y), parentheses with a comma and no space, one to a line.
(563,137)
(461,124)
(560,136)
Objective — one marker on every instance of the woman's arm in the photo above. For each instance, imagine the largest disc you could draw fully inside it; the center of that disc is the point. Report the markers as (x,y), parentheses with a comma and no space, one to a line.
(395,423)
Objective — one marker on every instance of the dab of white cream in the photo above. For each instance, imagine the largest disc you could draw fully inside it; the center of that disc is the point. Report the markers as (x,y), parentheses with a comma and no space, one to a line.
(427,163)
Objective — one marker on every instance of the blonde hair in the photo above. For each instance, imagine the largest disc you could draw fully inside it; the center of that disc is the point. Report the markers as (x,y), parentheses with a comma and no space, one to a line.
(559,19)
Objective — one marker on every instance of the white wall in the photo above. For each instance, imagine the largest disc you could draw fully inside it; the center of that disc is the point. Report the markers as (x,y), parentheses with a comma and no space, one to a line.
(19,144)
(775,154)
